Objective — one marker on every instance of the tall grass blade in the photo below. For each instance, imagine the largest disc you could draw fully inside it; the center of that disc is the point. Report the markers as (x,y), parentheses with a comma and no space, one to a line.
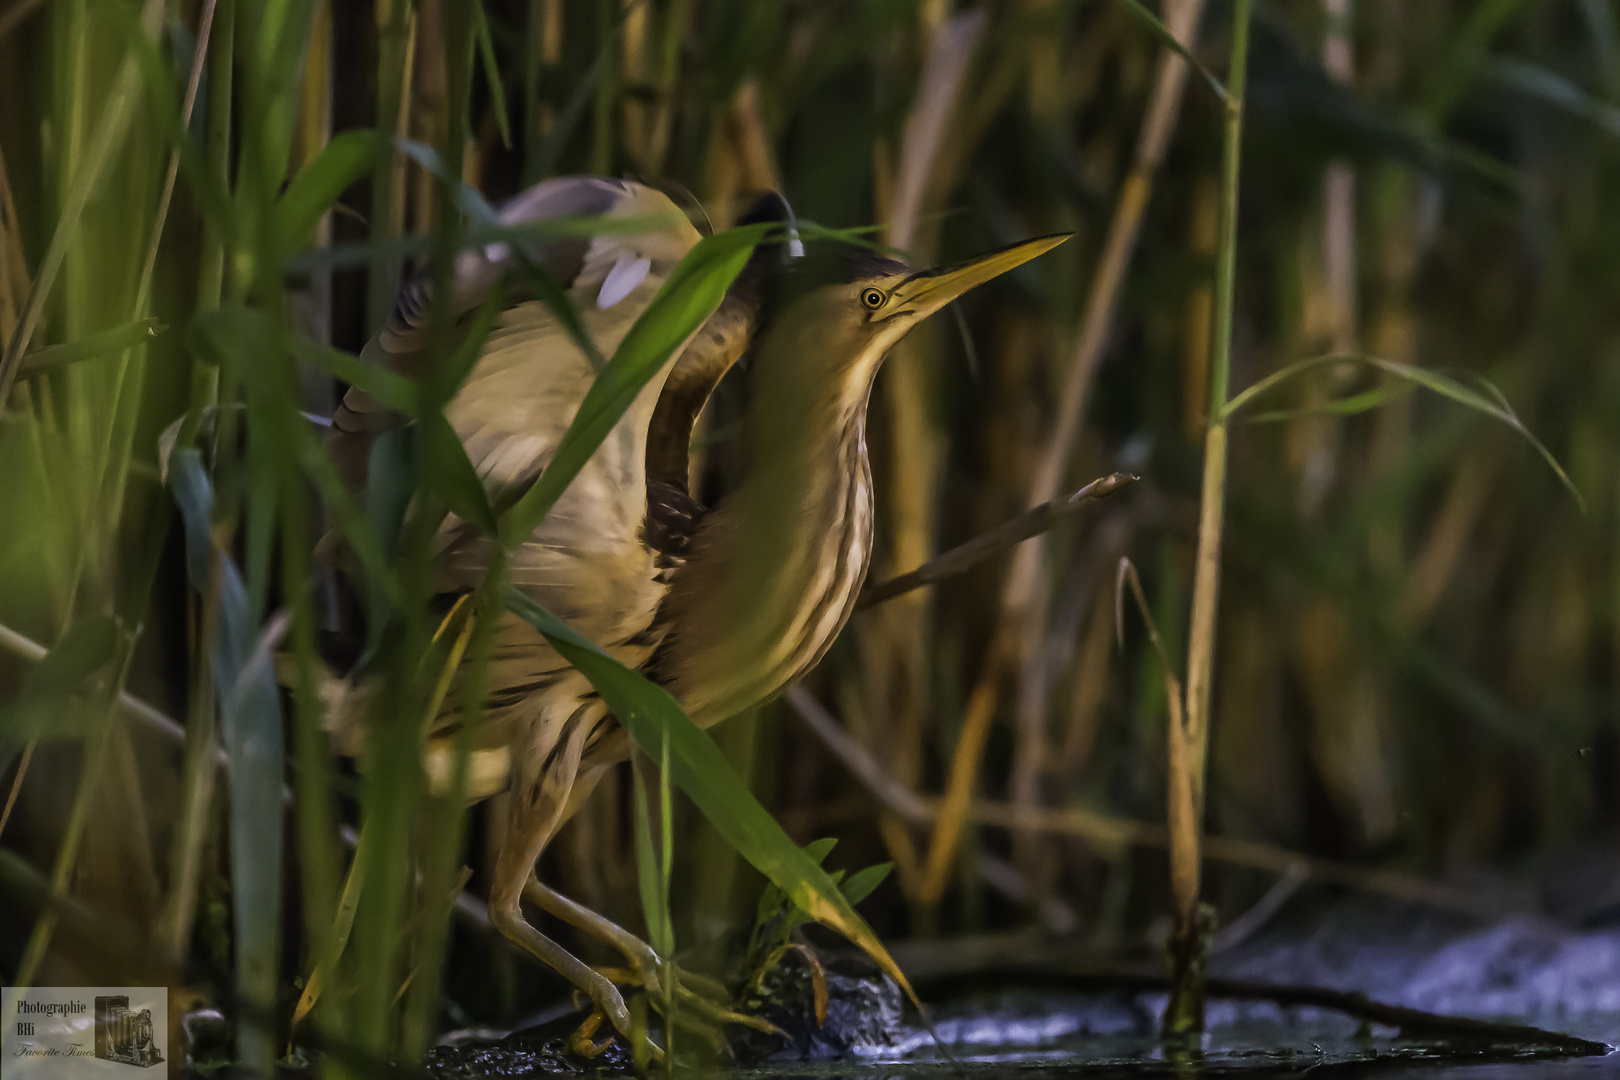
(492,73)
(1162,33)
(649,877)
(250,720)
(344,161)
(49,357)
(111,130)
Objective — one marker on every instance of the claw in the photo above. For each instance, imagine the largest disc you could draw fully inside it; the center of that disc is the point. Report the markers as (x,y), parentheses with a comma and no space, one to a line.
(608,1001)
(702,1003)
(580,1044)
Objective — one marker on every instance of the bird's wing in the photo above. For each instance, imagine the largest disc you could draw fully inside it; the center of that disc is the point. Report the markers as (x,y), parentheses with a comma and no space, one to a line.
(586,562)
(401,345)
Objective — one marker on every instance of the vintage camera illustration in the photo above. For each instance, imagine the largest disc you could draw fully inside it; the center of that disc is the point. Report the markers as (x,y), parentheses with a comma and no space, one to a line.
(125,1036)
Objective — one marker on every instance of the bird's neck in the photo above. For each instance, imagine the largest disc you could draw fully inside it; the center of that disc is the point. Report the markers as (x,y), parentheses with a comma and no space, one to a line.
(776,567)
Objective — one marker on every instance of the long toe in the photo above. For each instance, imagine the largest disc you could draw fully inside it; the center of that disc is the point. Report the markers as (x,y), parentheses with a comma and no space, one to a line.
(719,1014)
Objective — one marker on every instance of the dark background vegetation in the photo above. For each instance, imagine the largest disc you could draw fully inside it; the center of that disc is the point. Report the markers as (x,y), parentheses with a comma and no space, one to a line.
(1417,661)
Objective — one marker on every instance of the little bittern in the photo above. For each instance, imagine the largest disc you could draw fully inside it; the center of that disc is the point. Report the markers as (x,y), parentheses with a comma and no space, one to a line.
(725,606)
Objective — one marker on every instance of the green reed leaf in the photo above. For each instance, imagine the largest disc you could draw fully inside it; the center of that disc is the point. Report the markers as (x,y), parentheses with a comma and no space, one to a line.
(449,475)
(1146,18)
(39,711)
(106,343)
(375,381)
(250,715)
(862,883)
(1491,404)
(492,73)
(654,904)
(237,330)
(694,289)
(347,159)
(1351,405)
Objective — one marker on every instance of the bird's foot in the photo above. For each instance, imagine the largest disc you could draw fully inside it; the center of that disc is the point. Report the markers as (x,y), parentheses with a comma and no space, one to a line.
(702,1005)
(580,1044)
(608,1004)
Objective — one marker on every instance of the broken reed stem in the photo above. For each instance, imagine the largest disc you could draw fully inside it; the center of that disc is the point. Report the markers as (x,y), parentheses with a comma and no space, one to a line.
(1189,743)
(970,553)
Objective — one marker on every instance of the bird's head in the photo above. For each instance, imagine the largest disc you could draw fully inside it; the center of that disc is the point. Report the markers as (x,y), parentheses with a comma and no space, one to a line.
(839,313)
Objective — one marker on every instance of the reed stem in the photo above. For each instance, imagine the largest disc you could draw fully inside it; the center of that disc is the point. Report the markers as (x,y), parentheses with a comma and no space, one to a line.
(1189,741)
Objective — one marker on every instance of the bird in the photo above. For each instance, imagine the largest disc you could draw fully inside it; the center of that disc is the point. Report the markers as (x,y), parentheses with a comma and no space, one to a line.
(723,606)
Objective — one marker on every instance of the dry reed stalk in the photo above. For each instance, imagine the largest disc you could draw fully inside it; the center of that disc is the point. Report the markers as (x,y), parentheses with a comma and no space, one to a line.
(1453,525)
(1188,735)
(312,314)
(396,49)
(677,18)
(1113,834)
(1088,692)
(16,783)
(953,811)
(1083,629)
(739,161)
(1021,612)
(1198,314)
(1329,319)
(1158,124)
(899,638)
(1347,738)
(428,87)
(635,112)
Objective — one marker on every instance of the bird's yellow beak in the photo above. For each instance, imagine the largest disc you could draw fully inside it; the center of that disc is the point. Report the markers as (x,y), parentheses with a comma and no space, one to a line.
(926,291)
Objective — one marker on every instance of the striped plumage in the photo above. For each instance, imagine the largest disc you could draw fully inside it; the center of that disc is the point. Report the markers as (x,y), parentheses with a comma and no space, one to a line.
(724,607)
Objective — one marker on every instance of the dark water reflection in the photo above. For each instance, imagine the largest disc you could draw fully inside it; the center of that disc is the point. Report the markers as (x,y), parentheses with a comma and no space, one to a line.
(1012,1036)
(1521,971)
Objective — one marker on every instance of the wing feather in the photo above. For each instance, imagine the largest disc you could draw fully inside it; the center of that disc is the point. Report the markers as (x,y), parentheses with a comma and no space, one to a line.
(586,561)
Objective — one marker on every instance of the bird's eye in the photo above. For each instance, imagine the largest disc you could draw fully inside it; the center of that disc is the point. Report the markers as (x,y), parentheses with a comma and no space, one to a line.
(872,299)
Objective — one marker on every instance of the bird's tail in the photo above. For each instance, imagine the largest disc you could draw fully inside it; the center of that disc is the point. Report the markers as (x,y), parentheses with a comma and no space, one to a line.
(344,702)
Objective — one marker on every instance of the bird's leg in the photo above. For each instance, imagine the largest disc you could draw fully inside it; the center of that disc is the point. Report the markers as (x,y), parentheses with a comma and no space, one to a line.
(643,960)
(536,814)
(707,998)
